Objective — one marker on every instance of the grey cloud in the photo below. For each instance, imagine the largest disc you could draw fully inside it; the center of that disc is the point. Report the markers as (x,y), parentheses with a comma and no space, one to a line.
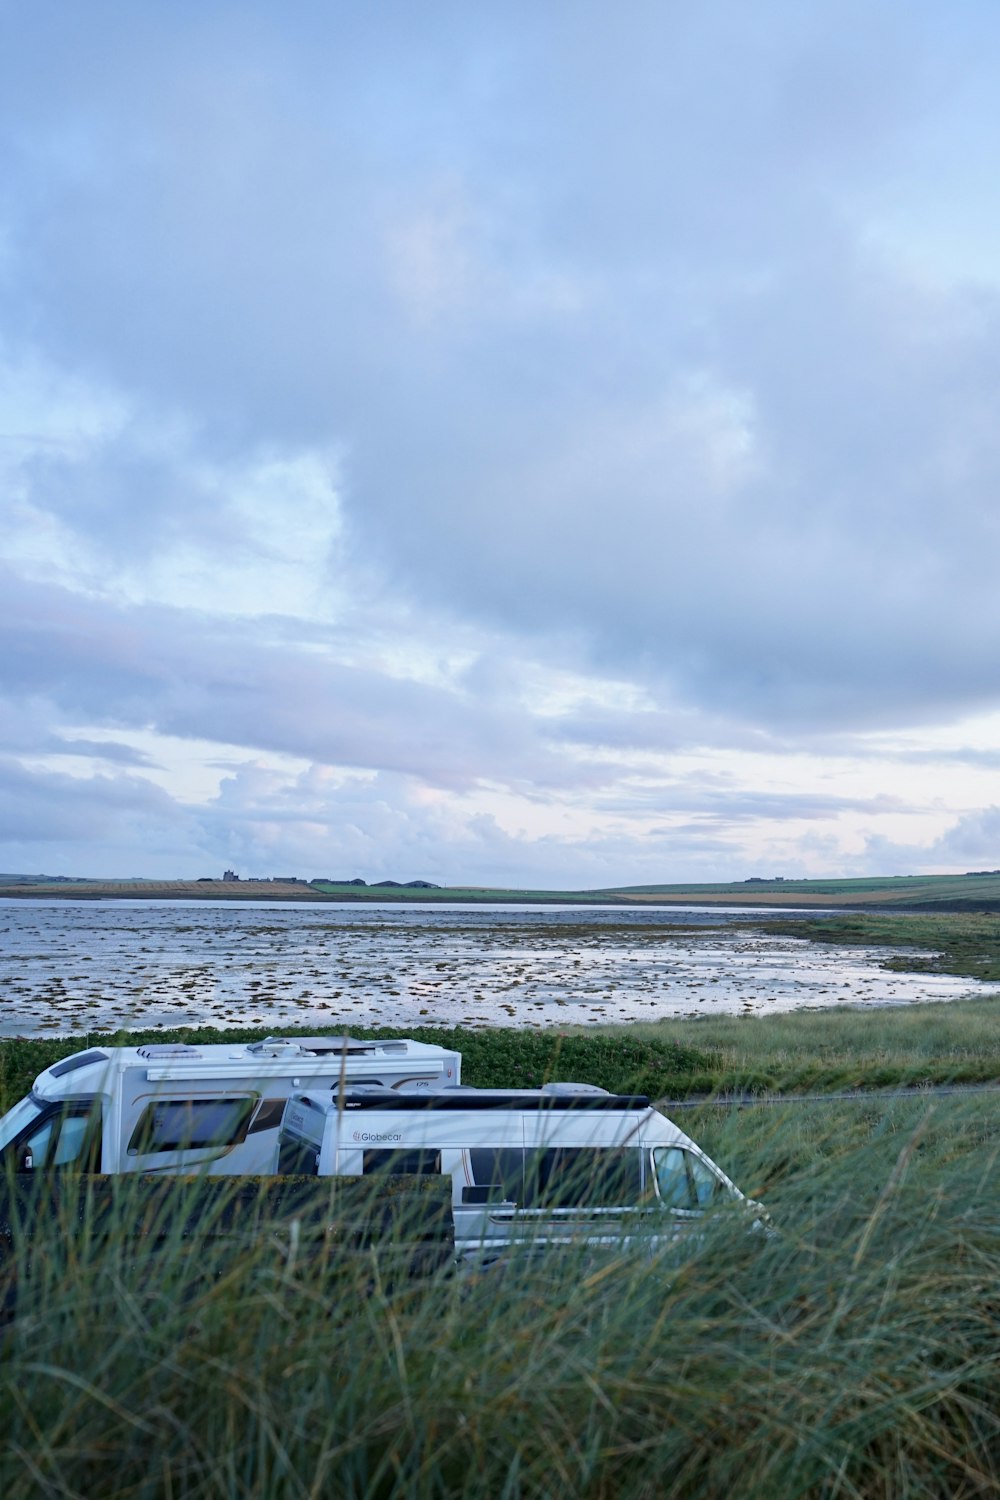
(974,837)
(216,679)
(44,807)
(570,465)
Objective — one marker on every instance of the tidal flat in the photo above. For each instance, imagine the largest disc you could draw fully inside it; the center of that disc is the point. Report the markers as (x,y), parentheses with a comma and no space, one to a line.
(72,967)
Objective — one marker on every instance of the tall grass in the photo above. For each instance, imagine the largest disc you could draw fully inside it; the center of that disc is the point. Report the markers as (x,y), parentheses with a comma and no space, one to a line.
(954,1041)
(856,1354)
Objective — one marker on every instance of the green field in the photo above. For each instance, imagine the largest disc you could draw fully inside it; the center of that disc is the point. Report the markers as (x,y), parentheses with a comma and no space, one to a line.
(973,892)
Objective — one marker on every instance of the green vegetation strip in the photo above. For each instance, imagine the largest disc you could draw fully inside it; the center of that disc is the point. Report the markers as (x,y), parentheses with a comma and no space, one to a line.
(802,1051)
(967,944)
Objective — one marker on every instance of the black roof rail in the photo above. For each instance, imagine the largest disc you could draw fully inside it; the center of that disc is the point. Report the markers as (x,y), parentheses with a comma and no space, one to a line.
(462,1099)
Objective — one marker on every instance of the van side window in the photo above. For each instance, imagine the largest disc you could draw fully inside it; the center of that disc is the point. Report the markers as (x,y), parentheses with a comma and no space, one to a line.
(684,1180)
(500,1166)
(190,1124)
(419,1162)
(583,1176)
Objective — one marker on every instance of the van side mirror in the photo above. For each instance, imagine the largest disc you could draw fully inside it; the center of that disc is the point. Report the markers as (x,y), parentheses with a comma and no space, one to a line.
(488,1192)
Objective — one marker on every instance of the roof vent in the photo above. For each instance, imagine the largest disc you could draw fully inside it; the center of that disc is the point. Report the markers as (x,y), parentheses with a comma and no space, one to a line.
(353,1046)
(275,1046)
(334,1044)
(168,1049)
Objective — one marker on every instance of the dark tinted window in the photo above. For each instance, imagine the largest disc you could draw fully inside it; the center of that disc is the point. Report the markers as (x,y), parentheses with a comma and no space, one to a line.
(298,1158)
(584,1176)
(563,1176)
(268,1116)
(420,1162)
(500,1166)
(190,1124)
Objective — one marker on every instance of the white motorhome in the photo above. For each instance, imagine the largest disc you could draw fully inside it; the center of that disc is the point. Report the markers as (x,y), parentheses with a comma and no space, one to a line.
(562,1164)
(214,1109)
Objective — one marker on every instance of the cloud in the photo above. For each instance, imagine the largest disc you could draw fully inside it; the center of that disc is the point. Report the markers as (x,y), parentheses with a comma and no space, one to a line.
(974,837)
(120,811)
(216,678)
(517,402)
(736,452)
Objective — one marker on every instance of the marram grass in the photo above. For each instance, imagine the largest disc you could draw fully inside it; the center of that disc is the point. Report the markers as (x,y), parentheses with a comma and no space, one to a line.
(855,1354)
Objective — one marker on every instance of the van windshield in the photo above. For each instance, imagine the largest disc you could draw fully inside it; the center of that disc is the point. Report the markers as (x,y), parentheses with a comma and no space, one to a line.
(18,1119)
(686,1182)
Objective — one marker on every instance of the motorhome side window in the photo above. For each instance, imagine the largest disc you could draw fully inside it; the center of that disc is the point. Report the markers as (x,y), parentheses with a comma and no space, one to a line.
(419,1162)
(190,1124)
(684,1180)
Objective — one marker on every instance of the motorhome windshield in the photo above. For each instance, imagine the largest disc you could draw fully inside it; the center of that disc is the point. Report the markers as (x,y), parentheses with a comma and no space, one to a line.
(18,1119)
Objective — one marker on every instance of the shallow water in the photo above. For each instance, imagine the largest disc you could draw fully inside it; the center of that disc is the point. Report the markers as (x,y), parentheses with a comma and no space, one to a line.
(80,966)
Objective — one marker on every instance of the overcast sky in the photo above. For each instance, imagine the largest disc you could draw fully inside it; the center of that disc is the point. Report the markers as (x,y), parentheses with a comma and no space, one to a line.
(518,444)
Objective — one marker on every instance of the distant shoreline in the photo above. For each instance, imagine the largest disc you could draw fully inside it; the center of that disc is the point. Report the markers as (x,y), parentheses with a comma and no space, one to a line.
(950,893)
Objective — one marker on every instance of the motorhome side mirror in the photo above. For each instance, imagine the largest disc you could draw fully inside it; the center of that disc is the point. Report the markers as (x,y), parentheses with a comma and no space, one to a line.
(485,1192)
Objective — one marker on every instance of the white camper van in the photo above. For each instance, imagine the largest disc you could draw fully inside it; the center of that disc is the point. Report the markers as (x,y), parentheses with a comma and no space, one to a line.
(567,1163)
(180,1108)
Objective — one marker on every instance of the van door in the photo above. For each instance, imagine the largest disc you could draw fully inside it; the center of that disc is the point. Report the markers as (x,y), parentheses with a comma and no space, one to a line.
(486,1160)
(64,1135)
(583,1174)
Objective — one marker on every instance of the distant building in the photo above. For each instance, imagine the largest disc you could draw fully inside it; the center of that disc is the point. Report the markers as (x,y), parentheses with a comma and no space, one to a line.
(230,875)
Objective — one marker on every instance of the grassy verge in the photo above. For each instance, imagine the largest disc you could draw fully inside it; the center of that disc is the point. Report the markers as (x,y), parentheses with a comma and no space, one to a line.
(856,1355)
(954,1041)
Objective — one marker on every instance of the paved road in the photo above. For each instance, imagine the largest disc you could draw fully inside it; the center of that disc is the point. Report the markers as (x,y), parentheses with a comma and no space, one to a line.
(754,1101)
